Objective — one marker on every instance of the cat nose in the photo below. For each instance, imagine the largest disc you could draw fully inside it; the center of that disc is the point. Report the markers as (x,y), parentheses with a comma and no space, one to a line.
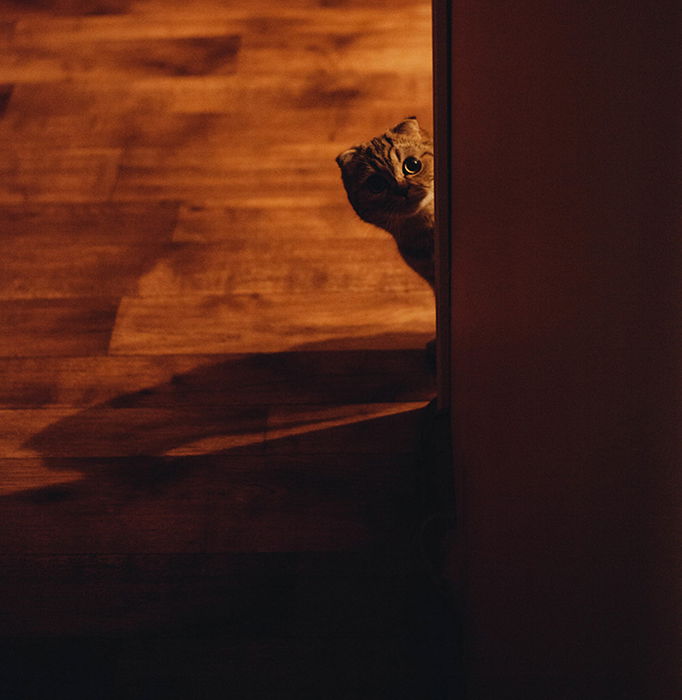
(403,190)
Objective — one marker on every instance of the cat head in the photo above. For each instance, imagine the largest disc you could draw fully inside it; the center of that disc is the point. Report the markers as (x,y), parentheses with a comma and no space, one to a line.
(390,177)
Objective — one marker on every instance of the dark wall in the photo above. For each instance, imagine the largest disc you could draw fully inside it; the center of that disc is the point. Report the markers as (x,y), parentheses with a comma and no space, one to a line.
(567,344)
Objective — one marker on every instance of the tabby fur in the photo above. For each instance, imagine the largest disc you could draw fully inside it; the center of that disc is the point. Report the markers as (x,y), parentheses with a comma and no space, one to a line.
(403,204)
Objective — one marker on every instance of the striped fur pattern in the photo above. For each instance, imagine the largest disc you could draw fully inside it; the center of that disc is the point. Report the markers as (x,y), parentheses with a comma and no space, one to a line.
(389,183)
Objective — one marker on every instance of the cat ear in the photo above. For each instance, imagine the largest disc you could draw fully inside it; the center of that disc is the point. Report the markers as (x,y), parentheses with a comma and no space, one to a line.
(345,157)
(410,125)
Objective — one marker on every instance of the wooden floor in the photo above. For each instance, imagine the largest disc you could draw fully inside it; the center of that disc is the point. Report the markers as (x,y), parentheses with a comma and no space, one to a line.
(212,374)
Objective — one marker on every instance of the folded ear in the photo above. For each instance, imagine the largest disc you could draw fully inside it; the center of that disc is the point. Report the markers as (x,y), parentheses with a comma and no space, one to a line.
(410,125)
(345,157)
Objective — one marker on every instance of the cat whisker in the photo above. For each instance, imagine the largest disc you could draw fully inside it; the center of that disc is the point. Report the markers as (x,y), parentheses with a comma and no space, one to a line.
(397,200)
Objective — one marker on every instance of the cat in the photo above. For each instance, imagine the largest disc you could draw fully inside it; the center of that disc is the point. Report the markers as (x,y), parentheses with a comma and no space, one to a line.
(389,183)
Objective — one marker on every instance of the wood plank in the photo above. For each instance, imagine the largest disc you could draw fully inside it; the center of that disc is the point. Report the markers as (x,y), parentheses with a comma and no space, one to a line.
(309,96)
(118,59)
(81,250)
(41,224)
(254,323)
(118,431)
(210,503)
(123,126)
(390,43)
(248,266)
(166,381)
(242,266)
(156,18)
(34,105)
(78,249)
(272,222)
(338,429)
(214,174)
(69,271)
(66,7)
(53,327)
(106,431)
(136,122)
(58,175)
(334,97)
(229,597)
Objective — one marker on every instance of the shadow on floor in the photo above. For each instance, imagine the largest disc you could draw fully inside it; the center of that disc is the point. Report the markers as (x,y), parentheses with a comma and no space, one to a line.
(245,530)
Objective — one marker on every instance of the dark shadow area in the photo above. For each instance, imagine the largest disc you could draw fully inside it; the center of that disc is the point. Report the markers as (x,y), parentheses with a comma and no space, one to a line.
(250,529)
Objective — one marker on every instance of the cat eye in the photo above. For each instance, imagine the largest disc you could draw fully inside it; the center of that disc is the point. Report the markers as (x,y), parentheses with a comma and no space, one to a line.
(376,184)
(411,165)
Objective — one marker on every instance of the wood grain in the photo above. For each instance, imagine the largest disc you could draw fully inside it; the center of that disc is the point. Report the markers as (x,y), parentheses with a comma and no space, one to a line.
(37,327)
(167,381)
(212,373)
(58,175)
(271,323)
